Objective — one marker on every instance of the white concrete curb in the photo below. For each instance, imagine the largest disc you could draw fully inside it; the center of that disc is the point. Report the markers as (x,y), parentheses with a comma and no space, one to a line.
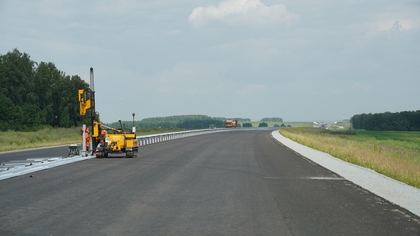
(49,162)
(394,191)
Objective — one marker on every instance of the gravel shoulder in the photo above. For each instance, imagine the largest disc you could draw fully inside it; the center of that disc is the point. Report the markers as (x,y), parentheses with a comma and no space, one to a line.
(394,191)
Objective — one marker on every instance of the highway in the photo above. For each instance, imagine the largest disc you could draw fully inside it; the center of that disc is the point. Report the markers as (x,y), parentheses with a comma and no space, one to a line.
(38,152)
(231,183)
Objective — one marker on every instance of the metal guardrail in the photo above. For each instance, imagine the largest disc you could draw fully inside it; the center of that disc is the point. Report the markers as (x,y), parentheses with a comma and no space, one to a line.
(21,167)
(157,138)
(17,168)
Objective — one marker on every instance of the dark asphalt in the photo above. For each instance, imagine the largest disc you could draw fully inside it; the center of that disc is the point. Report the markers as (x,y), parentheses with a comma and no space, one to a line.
(31,153)
(231,183)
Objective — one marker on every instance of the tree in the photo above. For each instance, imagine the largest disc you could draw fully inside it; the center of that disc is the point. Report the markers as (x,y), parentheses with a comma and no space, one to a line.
(16,77)
(263,124)
(7,113)
(399,121)
(34,95)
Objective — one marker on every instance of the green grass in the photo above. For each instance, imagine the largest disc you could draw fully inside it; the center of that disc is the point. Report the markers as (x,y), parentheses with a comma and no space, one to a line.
(394,154)
(411,137)
(11,140)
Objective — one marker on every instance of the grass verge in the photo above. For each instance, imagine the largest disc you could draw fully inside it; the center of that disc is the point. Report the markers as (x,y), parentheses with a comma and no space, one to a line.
(394,154)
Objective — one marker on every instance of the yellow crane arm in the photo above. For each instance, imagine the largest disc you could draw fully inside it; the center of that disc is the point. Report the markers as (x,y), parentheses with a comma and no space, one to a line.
(84,104)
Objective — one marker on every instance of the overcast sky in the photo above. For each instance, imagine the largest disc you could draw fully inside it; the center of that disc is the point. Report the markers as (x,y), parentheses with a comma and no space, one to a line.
(309,60)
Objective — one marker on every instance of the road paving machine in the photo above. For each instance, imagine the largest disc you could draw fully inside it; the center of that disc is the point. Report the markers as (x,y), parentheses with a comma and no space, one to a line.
(107,140)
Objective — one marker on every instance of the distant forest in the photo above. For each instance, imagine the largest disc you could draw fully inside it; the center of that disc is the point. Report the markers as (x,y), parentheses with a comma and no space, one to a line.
(399,121)
(33,95)
(272,119)
(180,122)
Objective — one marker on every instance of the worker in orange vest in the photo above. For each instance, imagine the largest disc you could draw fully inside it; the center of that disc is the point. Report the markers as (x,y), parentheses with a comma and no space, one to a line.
(102,136)
(87,139)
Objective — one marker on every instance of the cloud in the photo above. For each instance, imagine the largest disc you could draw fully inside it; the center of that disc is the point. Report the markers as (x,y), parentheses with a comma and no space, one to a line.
(360,87)
(251,88)
(189,78)
(391,24)
(242,12)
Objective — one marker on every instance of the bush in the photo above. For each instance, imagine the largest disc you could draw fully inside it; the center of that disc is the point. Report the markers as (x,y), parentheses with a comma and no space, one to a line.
(263,124)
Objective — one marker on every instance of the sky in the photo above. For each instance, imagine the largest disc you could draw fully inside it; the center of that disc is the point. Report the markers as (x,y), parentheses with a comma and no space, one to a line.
(301,60)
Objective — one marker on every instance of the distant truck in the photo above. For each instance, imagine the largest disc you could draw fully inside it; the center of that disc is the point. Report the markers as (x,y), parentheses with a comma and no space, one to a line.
(231,123)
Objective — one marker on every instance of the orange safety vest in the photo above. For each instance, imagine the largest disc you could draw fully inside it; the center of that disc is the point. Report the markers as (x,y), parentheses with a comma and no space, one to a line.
(103,132)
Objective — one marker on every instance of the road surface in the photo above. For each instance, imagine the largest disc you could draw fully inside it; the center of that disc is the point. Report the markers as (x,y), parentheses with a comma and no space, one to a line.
(229,183)
(61,151)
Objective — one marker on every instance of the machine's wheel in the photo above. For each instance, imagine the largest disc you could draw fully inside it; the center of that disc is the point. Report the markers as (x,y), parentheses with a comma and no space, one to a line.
(135,153)
(131,154)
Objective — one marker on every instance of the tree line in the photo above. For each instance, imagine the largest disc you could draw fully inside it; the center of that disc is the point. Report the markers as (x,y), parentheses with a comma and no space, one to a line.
(33,95)
(398,121)
(180,122)
(272,119)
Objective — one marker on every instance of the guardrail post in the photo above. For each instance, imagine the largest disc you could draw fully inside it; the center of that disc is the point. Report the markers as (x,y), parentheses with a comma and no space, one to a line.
(83,152)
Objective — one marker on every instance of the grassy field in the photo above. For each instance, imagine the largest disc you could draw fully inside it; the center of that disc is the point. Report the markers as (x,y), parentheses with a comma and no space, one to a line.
(394,154)
(12,140)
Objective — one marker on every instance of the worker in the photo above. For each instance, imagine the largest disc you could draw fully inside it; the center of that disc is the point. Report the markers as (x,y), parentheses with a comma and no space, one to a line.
(100,149)
(101,136)
(87,139)
(101,143)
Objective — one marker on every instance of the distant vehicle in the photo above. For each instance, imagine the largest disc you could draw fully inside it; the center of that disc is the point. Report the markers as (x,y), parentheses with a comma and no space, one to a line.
(231,123)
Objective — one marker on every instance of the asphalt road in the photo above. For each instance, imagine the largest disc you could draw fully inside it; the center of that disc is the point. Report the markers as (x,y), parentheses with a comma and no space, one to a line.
(30,153)
(231,183)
